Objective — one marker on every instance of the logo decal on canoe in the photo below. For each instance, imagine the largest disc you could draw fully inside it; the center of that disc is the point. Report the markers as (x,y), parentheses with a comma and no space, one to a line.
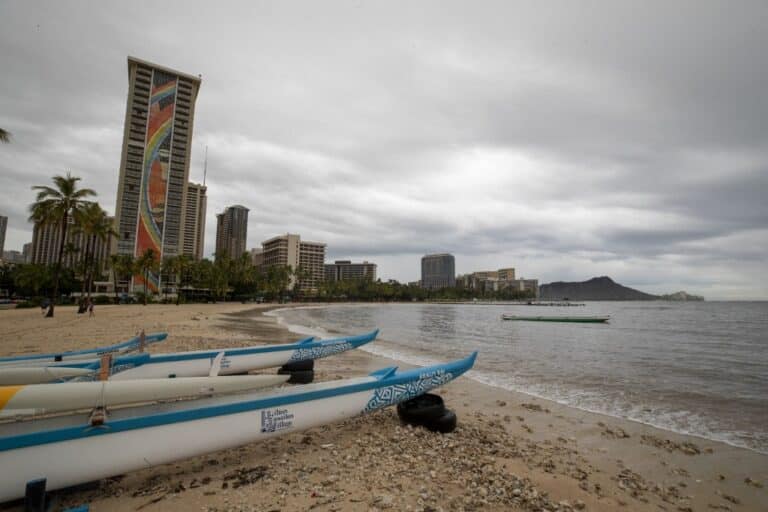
(274,420)
(389,395)
(305,354)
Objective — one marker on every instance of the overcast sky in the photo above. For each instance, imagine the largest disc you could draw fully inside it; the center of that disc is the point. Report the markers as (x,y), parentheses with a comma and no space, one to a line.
(565,139)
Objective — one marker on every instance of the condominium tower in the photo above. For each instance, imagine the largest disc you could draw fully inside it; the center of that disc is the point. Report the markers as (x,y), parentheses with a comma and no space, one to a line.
(438,271)
(154,165)
(288,249)
(194,221)
(232,231)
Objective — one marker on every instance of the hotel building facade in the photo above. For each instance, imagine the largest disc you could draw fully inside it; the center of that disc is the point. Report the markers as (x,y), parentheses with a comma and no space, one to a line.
(438,271)
(344,270)
(46,239)
(195,206)
(288,249)
(154,164)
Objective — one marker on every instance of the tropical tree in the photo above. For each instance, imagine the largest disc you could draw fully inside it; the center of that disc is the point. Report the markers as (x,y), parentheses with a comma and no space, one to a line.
(183,269)
(219,276)
(277,279)
(31,279)
(169,272)
(123,267)
(55,206)
(94,223)
(147,263)
(300,276)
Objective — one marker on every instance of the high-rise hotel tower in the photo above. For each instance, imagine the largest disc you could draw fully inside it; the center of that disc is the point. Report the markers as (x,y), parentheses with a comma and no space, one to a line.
(154,166)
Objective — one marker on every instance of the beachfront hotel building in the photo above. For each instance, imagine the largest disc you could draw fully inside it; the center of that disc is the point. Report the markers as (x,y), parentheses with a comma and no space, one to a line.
(344,270)
(290,250)
(3,228)
(257,257)
(12,256)
(46,239)
(154,163)
(438,271)
(231,231)
(195,206)
(497,280)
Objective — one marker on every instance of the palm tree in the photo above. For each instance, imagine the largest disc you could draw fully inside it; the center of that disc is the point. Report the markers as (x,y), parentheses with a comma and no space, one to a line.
(94,223)
(300,275)
(183,267)
(103,231)
(86,220)
(170,269)
(147,263)
(32,278)
(5,135)
(123,266)
(56,206)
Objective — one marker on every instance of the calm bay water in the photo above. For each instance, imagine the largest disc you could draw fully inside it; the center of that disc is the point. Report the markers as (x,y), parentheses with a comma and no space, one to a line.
(696,368)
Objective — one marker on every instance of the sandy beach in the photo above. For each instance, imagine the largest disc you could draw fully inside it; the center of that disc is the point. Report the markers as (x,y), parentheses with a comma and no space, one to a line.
(510,451)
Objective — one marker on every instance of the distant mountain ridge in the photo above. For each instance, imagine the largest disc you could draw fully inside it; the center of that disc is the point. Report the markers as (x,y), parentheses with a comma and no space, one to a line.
(597,288)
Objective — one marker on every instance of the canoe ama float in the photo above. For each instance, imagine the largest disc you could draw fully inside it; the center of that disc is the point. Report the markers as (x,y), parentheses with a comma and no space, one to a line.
(236,360)
(41,374)
(69,451)
(19,401)
(79,355)
(577,319)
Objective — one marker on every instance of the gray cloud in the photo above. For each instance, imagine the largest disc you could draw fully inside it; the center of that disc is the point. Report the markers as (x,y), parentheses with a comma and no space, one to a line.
(618,138)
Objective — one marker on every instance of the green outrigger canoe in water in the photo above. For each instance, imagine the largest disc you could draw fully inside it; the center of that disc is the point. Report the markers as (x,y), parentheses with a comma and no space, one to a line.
(577,319)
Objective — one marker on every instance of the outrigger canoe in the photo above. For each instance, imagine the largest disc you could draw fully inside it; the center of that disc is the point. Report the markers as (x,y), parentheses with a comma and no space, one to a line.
(235,360)
(578,319)
(31,360)
(38,399)
(68,450)
(41,374)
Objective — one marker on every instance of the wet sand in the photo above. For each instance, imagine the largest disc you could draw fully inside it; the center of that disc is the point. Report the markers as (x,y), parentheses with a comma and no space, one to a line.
(510,451)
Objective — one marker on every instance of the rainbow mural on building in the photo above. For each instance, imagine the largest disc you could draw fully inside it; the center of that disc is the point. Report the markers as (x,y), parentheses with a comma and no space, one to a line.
(154,180)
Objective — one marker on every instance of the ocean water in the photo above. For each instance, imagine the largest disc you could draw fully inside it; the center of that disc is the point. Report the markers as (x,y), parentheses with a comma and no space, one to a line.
(697,368)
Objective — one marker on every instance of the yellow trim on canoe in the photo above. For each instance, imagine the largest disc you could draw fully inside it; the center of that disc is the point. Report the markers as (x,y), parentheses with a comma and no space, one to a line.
(6,393)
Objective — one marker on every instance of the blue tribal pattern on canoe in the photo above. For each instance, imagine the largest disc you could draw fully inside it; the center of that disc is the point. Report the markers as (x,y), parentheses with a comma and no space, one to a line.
(304,354)
(390,395)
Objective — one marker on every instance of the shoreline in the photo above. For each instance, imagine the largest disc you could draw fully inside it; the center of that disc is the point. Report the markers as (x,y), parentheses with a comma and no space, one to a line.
(426,359)
(511,449)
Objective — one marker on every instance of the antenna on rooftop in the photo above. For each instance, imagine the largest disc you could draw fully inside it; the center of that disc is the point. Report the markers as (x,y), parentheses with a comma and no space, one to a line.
(205,165)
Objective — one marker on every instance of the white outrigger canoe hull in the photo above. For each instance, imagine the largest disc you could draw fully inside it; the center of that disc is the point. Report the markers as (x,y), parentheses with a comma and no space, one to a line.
(70,453)
(240,360)
(77,356)
(16,401)
(40,375)
(235,360)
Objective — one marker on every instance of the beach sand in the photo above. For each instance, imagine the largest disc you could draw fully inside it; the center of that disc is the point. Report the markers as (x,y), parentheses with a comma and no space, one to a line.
(510,451)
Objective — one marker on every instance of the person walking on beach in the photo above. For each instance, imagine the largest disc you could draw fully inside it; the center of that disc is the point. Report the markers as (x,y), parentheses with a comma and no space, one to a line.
(91,314)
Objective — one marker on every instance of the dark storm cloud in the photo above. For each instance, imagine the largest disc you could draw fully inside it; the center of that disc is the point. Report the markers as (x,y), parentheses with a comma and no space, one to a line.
(618,138)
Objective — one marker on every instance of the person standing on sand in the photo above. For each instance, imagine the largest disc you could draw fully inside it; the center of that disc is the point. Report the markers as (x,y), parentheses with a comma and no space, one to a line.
(91,314)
